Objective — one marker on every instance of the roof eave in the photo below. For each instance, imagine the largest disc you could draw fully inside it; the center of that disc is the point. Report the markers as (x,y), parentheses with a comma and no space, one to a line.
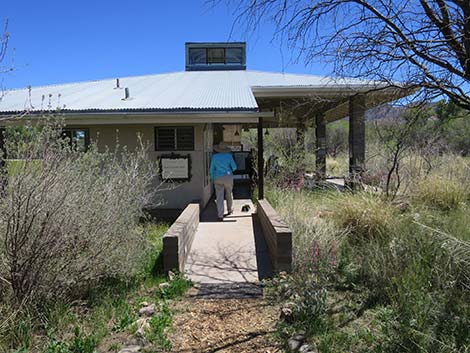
(136,117)
(330,90)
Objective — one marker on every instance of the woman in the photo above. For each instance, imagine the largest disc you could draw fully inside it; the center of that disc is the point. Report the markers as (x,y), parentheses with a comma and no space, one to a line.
(221,173)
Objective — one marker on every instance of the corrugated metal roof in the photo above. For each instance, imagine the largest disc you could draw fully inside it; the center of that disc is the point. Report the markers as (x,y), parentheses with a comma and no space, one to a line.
(179,91)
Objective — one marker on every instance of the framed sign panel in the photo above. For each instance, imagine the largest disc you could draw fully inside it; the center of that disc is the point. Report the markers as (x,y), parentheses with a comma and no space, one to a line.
(175,167)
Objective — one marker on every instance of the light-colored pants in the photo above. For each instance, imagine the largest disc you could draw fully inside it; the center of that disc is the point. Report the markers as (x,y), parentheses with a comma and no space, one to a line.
(224,185)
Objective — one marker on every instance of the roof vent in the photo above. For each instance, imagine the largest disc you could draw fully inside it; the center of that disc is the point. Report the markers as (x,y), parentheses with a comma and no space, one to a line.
(127,95)
(117,84)
(215,56)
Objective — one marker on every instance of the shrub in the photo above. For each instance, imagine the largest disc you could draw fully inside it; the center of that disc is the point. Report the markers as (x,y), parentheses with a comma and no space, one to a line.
(441,193)
(364,215)
(304,300)
(68,219)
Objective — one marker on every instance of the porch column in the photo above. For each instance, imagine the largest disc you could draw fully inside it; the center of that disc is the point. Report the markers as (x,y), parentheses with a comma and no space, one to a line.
(357,138)
(260,160)
(320,142)
(300,131)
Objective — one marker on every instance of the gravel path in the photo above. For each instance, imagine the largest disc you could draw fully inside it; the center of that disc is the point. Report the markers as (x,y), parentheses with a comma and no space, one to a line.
(224,325)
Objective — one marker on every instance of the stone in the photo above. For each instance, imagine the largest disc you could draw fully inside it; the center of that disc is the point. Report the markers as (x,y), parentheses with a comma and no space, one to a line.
(295,342)
(306,348)
(287,312)
(164,285)
(137,341)
(131,349)
(148,310)
(171,276)
(142,326)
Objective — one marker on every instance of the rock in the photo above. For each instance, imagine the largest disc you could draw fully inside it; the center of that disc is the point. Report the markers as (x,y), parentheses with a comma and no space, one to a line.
(164,286)
(148,310)
(131,349)
(287,312)
(295,342)
(137,341)
(144,304)
(306,348)
(142,326)
(171,275)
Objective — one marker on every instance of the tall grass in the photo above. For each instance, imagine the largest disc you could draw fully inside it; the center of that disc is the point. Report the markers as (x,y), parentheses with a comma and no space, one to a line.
(406,269)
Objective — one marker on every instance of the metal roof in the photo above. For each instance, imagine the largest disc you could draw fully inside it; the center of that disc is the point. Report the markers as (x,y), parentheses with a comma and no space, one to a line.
(178,91)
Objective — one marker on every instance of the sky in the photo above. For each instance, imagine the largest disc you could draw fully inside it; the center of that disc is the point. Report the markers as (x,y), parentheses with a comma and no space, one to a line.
(54,41)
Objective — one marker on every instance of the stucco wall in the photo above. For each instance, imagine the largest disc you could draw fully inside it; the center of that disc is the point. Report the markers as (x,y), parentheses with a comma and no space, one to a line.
(178,195)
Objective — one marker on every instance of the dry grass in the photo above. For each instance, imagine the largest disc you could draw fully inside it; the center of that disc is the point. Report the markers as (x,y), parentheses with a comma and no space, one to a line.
(364,215)
(440,193)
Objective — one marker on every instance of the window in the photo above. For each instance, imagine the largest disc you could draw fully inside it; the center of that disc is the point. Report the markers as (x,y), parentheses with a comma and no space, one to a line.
(234,56)
(77,138)
(174,138)
(197,56)
(216,56)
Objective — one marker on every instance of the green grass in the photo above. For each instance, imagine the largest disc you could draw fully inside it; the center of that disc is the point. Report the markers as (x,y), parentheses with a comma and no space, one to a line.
(107,309)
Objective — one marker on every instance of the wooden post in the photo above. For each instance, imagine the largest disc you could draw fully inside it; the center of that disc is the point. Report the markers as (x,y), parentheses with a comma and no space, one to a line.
(300,131)
(260,160)
(320,141)
(357,136)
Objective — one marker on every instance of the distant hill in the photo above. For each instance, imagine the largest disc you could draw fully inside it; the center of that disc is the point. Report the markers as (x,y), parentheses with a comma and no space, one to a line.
(386,111)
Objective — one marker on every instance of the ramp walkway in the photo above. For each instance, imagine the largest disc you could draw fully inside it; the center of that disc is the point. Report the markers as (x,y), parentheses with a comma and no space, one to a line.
(228,253)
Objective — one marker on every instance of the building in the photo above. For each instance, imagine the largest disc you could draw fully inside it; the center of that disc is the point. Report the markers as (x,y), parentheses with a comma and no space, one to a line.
(182,114)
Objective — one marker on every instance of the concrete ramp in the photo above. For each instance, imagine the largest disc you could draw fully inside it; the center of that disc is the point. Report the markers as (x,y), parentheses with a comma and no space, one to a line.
(232,251)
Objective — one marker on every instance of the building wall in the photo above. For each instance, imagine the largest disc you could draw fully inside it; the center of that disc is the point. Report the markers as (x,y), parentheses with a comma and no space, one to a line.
(170,195)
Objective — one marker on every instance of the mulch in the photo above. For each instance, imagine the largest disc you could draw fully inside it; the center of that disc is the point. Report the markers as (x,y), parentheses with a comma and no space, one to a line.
(224,325)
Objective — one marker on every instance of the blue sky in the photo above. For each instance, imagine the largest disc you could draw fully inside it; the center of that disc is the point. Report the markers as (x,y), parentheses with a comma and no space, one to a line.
(65,41)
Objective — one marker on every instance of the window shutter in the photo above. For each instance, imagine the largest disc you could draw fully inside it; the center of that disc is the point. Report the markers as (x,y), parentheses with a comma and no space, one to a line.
(185,138)
(174,138)
(166,140)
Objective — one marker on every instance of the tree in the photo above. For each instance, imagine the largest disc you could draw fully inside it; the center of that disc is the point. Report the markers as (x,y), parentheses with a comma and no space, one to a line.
(424,43)
(455,124)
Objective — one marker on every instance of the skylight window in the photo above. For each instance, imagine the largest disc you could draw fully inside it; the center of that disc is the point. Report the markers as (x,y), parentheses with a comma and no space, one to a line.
(215,56)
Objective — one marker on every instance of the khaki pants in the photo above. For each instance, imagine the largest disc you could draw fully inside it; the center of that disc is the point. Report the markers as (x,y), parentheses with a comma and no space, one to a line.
(224,185)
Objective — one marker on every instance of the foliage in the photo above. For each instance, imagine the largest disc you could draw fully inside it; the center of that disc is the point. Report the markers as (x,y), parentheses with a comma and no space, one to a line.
(109,308)
(420,43)
(365,216)
(399,281)
(440,192)
(69,219)
(159,324)
(337,137)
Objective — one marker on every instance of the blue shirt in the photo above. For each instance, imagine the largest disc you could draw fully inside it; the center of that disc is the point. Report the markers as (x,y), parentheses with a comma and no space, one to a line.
(222,164)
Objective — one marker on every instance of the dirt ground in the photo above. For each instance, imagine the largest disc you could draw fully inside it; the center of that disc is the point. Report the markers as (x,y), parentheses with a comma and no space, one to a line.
(224,325)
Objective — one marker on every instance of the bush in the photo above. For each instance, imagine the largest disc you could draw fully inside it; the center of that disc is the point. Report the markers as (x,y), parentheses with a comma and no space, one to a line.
(401,277)
(441,193)
(70,219)
(365,215)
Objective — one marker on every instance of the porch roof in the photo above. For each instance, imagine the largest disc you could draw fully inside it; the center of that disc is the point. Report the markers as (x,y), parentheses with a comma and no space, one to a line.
(185,92)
